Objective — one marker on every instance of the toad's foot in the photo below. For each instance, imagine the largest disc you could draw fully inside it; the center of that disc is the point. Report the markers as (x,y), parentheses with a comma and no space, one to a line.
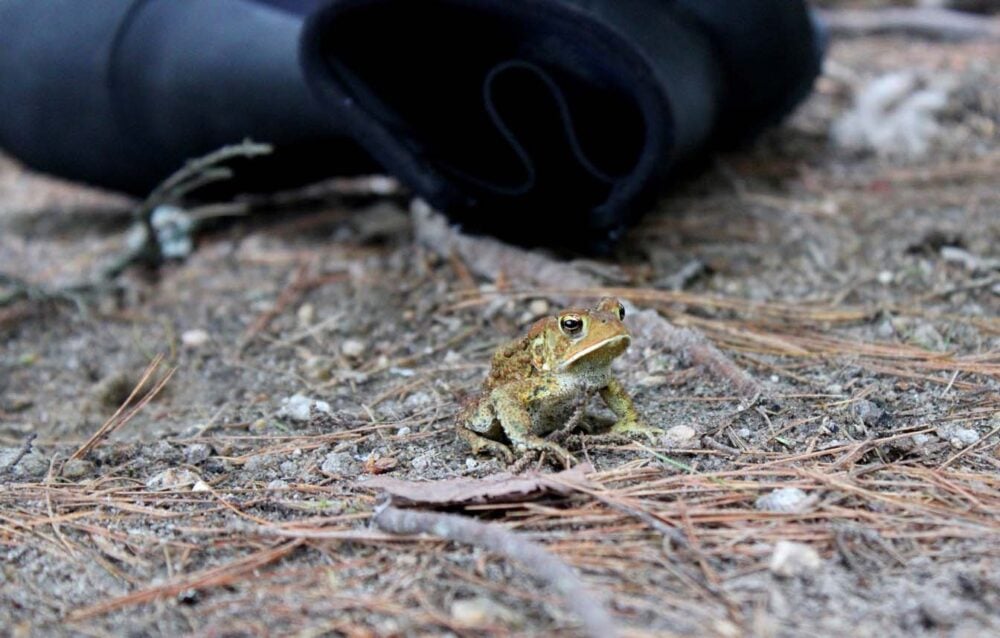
(480,443)
(636,426)
(541,445)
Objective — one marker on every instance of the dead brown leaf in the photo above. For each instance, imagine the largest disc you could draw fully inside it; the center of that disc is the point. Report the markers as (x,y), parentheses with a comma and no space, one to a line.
(466,491)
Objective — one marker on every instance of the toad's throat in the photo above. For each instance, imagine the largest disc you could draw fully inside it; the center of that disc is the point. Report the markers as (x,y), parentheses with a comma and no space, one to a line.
(615,345)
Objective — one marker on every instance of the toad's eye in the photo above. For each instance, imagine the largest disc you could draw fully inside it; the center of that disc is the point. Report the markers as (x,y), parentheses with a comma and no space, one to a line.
(571,325)
(621,311)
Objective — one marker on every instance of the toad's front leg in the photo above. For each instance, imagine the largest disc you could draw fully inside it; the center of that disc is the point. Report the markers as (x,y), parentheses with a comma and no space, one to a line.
(629,421)
(515,419)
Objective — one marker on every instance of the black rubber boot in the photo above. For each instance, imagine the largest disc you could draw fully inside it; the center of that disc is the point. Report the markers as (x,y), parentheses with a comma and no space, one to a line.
(554,121)
(119,93)
(548,122)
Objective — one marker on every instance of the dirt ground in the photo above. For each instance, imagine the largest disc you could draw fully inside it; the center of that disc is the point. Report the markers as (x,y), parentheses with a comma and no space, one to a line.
(860,291)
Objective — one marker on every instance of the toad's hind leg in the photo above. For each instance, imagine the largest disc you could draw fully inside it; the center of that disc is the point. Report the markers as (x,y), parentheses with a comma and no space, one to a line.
(516,423)
(480,443)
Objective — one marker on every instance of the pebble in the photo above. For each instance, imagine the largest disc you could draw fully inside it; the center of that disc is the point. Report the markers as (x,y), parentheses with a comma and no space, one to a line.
(298,407)
(868,411)
(785,499)
(680,435)
(32,464)
(353,348)
(481,611)
(652,380)
(403,431)
(791,559)
(194,338)
(260,463)
(961,437)
(418,399)
(539,307)
(258,427)
(927,336)
(172,479)
(77,468)
(196,453)
(420,463)
(277,484)
(306,314)
(201,486)
(337,463)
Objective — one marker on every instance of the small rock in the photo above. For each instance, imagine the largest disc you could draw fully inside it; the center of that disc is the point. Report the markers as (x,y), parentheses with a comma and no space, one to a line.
(418,399)
(337,463)
(201,486)
(32,464)
(962,437)
(194,338)
(258,427)
(353,348)
(680,435)
(403,431)
(172,479)
(299,407)
(885,277)
(277,484)
(306,314)
(196,453)
(920,440)
(868,411)
(261,463)
(77,468)
(481,611)
(538,307)
(652,380)
(421,462)
(957,437)
(471,463)
(786,499)
(927,336)
(288,468)
(727,628)
(792,559)
(885,329)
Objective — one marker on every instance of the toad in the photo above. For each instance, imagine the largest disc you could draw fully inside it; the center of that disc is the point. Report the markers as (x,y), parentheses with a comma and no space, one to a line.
(536,383)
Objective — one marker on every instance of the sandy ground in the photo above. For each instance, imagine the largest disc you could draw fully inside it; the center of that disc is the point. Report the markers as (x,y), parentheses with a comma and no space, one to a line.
(861,292)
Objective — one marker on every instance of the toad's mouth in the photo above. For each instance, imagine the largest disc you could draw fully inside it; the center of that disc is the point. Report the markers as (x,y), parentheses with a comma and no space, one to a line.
(611,348)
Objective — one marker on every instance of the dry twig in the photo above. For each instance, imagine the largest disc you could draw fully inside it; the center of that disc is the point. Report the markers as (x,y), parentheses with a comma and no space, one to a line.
(927,22)
(557,574)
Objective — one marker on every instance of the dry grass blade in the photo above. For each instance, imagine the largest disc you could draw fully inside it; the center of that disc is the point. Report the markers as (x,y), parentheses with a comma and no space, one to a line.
(208,578)
(118,419)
